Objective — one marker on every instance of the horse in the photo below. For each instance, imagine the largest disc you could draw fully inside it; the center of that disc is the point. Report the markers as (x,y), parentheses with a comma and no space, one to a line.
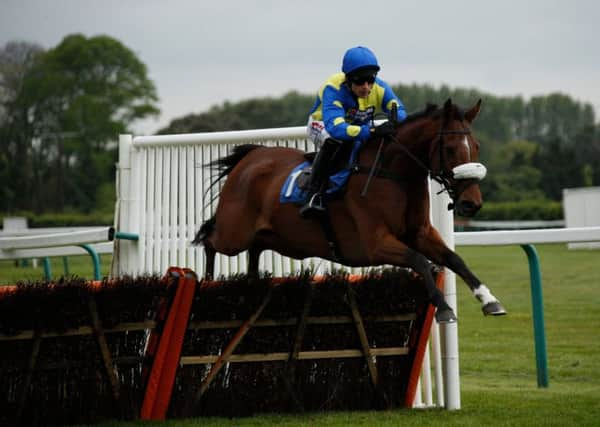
(389,224)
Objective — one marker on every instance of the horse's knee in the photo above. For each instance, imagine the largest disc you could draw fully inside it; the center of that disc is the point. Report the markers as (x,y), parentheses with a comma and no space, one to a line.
(418,262)
(423,267)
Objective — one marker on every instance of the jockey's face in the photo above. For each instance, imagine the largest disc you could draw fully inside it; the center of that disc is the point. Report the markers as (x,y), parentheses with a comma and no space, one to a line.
(361,90)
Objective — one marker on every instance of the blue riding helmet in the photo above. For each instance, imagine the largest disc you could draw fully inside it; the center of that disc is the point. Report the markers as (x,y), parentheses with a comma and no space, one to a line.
(359,57)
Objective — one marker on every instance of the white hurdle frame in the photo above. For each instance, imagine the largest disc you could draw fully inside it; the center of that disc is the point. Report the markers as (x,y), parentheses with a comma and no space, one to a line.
(161,182)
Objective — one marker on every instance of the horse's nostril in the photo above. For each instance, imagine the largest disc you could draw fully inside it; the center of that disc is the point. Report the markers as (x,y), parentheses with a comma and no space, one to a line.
(468,208)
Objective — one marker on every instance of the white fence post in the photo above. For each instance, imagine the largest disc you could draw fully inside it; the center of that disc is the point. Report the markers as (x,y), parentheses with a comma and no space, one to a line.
(443,220)
(125,252)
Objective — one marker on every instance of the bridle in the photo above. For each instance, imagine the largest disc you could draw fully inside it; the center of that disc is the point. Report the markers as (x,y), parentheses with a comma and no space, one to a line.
(470,170)
(442,176)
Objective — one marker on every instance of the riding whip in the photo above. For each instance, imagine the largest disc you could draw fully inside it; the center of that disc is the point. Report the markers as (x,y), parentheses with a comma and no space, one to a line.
(393,119)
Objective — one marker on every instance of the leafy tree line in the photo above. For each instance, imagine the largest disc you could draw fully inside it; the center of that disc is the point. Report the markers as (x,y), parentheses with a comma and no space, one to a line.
(62,109)
(60,113)
(533,149)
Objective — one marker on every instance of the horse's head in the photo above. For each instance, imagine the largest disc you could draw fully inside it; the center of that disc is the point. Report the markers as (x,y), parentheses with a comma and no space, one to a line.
(437,142)
(454,155)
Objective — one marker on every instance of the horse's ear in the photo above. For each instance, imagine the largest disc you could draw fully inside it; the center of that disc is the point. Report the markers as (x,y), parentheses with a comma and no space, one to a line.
(448,109)
(472,113)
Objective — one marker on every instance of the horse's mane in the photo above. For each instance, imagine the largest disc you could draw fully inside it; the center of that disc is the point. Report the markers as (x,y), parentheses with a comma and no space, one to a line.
(433,111)
(426,112)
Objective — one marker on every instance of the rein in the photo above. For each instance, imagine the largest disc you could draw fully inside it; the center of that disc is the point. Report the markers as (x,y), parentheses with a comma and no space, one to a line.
(442,177)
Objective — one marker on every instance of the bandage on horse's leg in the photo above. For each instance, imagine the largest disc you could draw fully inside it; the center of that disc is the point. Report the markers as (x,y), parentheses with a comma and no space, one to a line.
(434,248)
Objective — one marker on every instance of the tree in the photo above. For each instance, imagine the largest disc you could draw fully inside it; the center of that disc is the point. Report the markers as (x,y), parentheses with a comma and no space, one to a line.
(16,59)
(289,110)
(513,178)
(77,97)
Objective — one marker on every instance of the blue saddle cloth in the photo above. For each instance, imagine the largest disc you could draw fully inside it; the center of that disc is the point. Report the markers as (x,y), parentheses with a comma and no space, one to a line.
(291,193)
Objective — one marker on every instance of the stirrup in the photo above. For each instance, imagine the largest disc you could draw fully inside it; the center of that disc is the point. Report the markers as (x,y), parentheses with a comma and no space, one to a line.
(314,205)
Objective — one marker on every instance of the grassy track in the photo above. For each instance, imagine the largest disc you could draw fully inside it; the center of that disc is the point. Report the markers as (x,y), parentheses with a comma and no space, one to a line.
(497,356)
(80,266)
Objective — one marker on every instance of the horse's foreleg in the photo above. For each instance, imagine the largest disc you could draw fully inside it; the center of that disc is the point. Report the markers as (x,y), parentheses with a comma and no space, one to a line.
(392,251)
(489,303)
(444,313)
(433,247)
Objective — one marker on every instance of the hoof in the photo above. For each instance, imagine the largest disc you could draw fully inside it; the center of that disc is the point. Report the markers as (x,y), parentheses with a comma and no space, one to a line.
(493,309)
(445,316)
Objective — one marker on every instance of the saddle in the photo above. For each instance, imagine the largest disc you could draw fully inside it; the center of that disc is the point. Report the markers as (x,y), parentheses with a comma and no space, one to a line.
(294,190)
(341,158)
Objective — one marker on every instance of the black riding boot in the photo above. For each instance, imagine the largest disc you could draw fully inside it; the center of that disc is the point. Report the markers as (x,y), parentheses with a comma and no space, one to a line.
(318,178)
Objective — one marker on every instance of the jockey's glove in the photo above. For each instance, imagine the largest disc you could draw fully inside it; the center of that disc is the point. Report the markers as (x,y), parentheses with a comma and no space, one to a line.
(383,130)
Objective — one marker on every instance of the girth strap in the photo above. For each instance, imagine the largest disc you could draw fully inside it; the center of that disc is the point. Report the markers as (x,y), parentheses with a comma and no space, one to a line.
(325,220)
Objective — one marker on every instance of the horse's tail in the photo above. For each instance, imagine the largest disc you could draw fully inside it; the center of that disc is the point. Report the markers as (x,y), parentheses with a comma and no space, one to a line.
(205,231)
(224,165)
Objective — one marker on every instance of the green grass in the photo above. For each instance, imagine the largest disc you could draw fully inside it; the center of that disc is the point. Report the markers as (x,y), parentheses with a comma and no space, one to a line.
(12,271)
(497,355)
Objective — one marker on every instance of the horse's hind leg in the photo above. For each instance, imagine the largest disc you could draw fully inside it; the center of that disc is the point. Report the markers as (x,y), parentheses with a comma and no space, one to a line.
(202,238)
(209,270)
(253,257)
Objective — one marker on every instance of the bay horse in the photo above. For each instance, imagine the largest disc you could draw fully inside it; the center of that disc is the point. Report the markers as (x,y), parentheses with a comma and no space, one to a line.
(388,225)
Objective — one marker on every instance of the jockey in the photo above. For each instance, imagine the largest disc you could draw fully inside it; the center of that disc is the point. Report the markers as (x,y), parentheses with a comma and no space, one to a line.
(343,112)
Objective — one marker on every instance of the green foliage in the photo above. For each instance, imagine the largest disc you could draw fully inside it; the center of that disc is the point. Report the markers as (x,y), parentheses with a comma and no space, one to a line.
(105,199)
(289,110)
(587,171)
(523,210)
(512,175)
(63,120)
(66,219)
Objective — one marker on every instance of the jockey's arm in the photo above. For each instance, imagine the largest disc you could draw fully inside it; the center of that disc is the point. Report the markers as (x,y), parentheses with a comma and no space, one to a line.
(335,122)
(390,98)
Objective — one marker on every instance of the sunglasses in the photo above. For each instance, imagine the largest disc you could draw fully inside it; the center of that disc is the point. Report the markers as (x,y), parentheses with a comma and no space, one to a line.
(360,80)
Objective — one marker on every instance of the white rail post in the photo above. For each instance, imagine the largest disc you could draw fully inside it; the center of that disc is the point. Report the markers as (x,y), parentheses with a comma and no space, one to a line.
(124,252)
(443,220)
